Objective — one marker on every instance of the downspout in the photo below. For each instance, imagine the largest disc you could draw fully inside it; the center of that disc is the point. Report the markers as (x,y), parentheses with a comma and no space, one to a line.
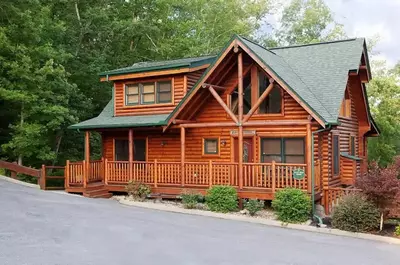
(313,173)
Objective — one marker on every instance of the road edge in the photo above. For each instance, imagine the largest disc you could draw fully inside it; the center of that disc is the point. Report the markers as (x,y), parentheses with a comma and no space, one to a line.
(16,181)
(274,223)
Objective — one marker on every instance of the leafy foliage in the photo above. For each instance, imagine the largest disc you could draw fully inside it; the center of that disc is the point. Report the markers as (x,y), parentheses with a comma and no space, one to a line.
(381,185)
(355,213)
(292,205)
(138,190)
(190,199)
(222,199)
(397,231)
(254,206)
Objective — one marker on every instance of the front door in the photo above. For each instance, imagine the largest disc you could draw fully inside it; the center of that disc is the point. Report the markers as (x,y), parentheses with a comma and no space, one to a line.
(247,150)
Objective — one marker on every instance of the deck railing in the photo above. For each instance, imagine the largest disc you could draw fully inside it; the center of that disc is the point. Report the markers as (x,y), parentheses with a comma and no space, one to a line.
(332,196)
(270,176)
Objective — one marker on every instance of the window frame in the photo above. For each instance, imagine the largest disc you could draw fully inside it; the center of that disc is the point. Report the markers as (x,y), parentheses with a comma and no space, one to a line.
(143,94)
(352,145)
(283,152)
(126,87)
(204,151)
(335,155)
(140,94)
(158,92)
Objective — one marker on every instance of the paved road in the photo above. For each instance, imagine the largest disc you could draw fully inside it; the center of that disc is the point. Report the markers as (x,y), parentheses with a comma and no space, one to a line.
(47,228)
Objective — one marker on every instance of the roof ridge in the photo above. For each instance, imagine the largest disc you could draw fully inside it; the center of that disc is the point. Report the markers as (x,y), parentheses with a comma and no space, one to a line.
(181,58)
(313,44)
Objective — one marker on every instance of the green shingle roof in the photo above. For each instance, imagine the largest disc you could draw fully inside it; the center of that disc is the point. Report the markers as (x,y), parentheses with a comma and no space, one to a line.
(106,119)
(161,65)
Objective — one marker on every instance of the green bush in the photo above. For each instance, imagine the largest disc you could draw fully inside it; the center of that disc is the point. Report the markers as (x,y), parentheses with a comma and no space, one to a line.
(254,206)
(190,199)
(292,205)
(138,190)
(397,231)
(222,199)
(356,214)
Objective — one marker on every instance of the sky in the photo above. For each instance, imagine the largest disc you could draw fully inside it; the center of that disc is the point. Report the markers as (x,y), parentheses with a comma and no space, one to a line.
(368,18)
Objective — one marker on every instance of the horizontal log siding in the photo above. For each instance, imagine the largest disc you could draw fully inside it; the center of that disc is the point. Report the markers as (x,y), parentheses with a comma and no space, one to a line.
(122,110)
(193,77)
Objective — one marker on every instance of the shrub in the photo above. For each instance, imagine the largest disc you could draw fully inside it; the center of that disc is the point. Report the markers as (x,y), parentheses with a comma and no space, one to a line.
(190,199)
(381,186)
(355,213)
(138,190)
(292,205)
(253,206)
(397,231)
(222,199)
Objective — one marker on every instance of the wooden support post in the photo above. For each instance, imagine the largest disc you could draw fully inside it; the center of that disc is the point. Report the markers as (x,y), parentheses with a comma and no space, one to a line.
(106,171)
(259,101)
(273,176)
(87,158)
(155,173)
(66,174)
(210,173)
(309,156)
(183,156)
(130,167)
(240,112)
(85,168)
(42,180)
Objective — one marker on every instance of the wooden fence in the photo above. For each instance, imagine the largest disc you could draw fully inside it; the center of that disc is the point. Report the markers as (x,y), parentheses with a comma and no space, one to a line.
(40,174)
(332,196)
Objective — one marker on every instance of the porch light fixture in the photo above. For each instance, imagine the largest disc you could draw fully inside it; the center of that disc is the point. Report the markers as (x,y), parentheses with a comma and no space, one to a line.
(163,143)
(223,142)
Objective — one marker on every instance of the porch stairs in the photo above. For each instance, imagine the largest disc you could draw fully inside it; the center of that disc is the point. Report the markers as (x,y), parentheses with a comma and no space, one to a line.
(96,190)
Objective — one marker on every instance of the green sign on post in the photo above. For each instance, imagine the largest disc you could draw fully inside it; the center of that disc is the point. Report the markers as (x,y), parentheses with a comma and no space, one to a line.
(298,173)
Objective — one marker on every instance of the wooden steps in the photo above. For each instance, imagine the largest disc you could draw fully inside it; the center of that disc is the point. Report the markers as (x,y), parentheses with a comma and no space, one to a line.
(96,190)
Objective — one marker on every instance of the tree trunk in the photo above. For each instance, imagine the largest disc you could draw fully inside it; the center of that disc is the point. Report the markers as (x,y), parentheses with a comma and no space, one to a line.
(22,124)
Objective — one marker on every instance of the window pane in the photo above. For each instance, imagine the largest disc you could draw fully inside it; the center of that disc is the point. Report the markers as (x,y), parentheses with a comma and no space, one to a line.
(148,98)
(132,89)
(336,154)
(148,88)
(210,146)
(269,159)
(271,146)
(294,146)
(164,97)
(352,145)
(132,99)
(274,100)
(139,150)
(121,150)
(164,86)
(294,159)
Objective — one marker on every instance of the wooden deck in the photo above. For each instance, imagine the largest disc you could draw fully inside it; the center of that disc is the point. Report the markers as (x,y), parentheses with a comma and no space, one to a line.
(260,180)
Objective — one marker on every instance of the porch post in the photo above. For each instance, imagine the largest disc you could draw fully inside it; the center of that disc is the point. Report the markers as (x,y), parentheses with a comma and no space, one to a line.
(309,156)
(240,112)
(183,156)
(87,159)
(130,174)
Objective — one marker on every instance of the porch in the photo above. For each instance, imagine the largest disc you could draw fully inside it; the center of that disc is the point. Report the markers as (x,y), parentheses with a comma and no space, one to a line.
(259,180)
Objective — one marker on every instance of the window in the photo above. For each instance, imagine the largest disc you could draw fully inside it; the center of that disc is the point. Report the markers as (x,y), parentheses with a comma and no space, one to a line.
(148,93)
(352,145)
(282,150)
(335,153)
(246,96)
(273,102)
(210,146)
(121,150)
(164,92)
(132,94)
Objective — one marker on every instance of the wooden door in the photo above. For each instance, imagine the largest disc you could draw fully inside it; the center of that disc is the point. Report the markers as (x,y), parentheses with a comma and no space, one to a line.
(247,150)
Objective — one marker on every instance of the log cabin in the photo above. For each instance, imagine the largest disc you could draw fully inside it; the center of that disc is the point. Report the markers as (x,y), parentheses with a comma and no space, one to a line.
(258,119)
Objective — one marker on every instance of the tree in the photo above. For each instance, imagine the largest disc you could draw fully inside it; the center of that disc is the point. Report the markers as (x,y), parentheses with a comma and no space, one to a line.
(384,101)
(381,186)
(307,21)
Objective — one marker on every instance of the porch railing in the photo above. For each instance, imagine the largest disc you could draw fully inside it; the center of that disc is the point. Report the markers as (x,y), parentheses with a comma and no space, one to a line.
(270,176)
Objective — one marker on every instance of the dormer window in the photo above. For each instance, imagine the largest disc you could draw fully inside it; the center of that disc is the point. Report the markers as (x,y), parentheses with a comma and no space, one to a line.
(148,93)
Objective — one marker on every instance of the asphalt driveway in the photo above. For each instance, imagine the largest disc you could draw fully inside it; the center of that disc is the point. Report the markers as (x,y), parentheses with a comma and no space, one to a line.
(46,228)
